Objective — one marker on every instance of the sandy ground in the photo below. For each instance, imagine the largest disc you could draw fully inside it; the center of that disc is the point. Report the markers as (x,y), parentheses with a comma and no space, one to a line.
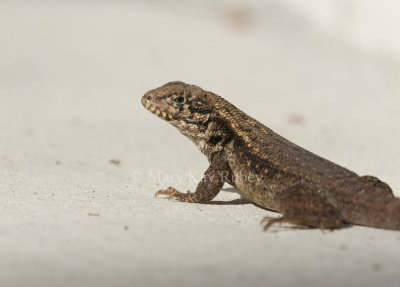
(71,78)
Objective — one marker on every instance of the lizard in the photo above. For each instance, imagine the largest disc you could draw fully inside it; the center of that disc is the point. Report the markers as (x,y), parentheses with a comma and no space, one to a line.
(269,170)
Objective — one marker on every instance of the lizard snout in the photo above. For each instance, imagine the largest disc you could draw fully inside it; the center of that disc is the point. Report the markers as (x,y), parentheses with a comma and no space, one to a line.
(147,99)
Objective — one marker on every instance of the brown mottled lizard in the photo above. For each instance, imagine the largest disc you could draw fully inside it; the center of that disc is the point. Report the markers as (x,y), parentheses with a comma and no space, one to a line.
(269,170)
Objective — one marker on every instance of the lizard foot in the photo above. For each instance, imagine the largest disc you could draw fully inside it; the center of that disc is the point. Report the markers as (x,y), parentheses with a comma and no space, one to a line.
(268,221)
(175,194)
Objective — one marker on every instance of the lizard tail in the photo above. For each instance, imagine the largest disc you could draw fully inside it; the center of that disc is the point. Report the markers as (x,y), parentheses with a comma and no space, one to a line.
(382,213)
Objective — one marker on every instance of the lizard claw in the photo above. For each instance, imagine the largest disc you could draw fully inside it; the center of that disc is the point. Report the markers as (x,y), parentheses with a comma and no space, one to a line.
(173,194)
(268,221)
(167,191)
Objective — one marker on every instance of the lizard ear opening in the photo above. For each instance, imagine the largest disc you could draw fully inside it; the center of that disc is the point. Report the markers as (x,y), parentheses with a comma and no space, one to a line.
(198,104)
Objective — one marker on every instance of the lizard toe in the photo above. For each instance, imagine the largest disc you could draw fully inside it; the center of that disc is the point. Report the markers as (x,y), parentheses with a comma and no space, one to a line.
(269,221)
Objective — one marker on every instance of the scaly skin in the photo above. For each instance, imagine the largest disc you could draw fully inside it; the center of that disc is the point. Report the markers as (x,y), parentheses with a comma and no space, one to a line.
(267,168)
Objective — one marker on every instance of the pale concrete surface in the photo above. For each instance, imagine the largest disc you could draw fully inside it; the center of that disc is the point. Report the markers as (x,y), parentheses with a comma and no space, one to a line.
(368,24)
(71,78)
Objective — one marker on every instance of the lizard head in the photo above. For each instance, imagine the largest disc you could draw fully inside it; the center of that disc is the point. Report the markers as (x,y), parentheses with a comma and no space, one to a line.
(186,107)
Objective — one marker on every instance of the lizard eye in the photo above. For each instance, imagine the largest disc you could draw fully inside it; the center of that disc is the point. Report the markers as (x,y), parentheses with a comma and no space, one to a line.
(179,99)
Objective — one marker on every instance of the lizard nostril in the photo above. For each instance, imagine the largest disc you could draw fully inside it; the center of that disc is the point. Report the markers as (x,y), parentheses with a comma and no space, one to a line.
(149,97)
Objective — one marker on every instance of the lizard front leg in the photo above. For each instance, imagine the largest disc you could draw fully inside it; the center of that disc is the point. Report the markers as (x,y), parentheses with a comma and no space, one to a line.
(208,187)
(305,209)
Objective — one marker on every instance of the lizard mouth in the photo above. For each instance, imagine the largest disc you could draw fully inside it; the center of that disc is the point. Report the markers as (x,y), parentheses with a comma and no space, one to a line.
(147,103)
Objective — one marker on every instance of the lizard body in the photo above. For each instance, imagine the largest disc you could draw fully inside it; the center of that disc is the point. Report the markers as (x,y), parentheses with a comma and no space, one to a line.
(268,169)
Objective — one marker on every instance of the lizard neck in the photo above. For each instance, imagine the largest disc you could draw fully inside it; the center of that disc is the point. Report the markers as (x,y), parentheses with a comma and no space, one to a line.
(218,134)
